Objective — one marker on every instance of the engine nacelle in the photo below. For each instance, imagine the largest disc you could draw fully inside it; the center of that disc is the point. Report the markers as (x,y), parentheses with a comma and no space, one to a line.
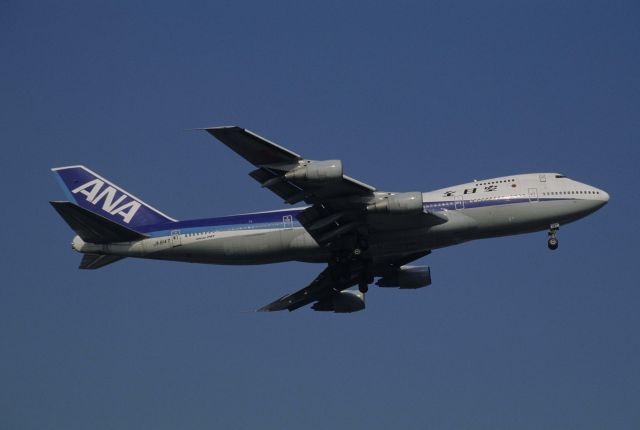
(407,277)
(321,171)
(402,203)
(343,302)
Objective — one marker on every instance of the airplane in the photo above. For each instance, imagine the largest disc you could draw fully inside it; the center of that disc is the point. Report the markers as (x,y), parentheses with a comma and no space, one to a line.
(360,233)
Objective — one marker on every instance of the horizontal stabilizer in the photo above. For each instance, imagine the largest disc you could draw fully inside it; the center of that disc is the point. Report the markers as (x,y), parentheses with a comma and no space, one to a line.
(96,261)
(92,227)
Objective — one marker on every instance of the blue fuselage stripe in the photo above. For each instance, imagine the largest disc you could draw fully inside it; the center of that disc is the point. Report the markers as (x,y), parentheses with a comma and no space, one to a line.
(275,220)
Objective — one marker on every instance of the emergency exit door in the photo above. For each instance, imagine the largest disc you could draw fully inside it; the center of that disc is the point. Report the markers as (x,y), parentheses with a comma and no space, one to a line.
(176,238)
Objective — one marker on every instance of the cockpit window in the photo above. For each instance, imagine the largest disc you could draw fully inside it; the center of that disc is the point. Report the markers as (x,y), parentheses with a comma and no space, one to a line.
(560,176)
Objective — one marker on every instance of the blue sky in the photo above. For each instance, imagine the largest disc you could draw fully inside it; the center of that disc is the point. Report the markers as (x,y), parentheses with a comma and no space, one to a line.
(411,96)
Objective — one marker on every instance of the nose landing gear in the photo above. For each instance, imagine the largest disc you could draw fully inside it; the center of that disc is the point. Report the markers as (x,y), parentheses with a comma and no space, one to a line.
(552,243)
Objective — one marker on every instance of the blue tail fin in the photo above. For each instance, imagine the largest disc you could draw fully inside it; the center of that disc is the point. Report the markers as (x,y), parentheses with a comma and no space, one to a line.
(96,194)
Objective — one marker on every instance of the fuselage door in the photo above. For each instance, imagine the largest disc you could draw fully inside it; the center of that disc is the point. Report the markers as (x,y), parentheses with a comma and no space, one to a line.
(458,202)
(287,221)
(533,194)
(176,239)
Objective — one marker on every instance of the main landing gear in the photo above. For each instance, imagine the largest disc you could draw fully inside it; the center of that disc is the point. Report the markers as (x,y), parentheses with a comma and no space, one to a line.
(552,243)
(366,278)
(353,264)
(357,255)
(363,286)
(361,245)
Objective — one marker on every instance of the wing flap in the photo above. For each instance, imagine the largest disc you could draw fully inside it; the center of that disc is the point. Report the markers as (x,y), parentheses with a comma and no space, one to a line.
(272,181)
(331,280)
(320,287)
(336,278)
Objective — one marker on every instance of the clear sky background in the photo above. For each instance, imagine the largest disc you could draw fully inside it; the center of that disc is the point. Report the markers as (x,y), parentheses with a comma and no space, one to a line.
(411,96)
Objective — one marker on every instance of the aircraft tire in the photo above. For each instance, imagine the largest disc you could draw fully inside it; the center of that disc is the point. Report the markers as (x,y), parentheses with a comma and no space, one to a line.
(363,287)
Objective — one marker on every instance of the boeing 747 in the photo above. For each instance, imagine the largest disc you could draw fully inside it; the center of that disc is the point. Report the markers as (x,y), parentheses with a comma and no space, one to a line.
(361,234)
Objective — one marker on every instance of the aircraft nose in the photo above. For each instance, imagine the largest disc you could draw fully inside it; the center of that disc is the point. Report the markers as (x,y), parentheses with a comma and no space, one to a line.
(601,199)
(604,196)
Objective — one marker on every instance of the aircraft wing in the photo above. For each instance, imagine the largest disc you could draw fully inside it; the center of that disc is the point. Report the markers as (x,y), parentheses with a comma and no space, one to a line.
(334,279)
(273,162)
(337,216)
(337,201)
(320,287)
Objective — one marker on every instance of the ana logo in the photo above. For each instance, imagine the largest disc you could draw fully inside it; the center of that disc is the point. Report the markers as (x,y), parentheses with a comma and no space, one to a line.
(94,194)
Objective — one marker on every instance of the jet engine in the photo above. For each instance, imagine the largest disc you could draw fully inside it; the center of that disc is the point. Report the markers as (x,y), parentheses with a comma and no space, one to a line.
(407,277)
(343,302)
(321,171)
(402,203)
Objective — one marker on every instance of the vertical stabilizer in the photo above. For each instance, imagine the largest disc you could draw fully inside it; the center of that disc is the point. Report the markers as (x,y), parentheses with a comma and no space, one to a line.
(100,196)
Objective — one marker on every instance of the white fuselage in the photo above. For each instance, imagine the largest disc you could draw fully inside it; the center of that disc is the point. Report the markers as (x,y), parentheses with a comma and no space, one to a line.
(480,209)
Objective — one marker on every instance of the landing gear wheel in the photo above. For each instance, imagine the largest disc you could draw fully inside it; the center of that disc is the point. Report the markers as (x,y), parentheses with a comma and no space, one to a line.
(363,287)
(552,243)
(366,276)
